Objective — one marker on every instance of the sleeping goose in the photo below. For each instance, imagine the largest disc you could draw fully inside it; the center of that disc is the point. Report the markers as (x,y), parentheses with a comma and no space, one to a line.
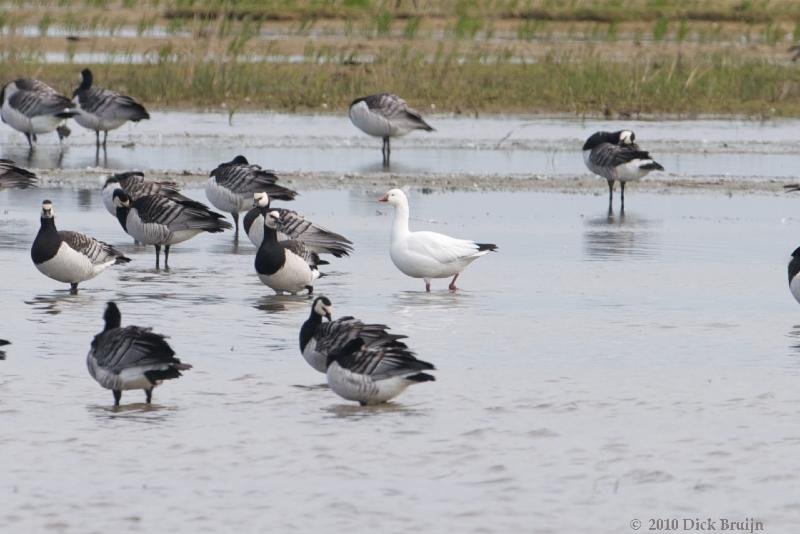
(164,220)
(232,185)
(3,343)
(131,358)
(285,266)
(136,186)
(70,257)
(33,107)
(13,176)
(385,115)
(318,340)
(428,255)
(101,109)
(292,225)
(616,157)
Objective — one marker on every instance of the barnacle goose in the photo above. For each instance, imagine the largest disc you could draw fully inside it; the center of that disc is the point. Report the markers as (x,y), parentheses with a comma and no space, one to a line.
(428,255)
(616,157)
(13,176)
(131,358)
(70,257)
(385,115)
(165,220)
(33,107)
(103,110)
(136,186)
(794,269)
(232,185)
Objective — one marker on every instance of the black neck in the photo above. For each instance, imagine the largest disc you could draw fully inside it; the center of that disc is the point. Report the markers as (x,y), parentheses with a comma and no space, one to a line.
(794,268)
(47,241)
(122,217)
(308,329)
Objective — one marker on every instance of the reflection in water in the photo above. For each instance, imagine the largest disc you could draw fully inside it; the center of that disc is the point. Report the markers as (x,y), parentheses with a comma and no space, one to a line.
(60,300)
(618,236)
(272,304)
(794,338)
(84,199)
(443,299)
(135,411)
(356,412)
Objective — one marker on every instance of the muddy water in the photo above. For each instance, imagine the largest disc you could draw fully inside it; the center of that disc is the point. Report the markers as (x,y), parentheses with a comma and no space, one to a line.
(592,372)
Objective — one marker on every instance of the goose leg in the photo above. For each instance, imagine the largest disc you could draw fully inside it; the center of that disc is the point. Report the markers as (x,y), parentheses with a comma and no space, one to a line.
(452,285)
(117,396)
(166,257)
(236,225)
(73,288)
(622,198)
(610,196)
(388,149)
(158,254)
(149,395)
(385,151)
(30,140)
(97,139)
(105,138)
(427,285)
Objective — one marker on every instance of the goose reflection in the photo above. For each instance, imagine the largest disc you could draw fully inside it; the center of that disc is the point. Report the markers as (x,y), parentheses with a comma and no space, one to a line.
(794,339)
(614,237)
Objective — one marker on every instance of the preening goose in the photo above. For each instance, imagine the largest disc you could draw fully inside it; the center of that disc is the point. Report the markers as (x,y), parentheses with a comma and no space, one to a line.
(131,358)
(385,115)
(232,185)
(103,110)
(616,157)
(13,176)
(70,257)
(319,339)
(428,255)
(162,220)
(33,107)
(136,186)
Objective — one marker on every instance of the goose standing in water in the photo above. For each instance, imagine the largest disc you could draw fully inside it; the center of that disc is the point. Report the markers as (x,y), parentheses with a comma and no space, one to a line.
(13,176)
(616,157)
(103,110)
(33,107)
(428,255)
(386,115)
(131,358)
(292,225)
(161,220)
(232,185)
(136,186)
(70,257)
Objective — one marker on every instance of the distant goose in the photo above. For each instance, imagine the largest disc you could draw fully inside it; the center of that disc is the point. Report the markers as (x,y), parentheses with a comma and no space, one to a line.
(136,186)
(13,176)
(285,266)
(318,340)
(385,115)
(70,257)
(292,225)
(3,343)
(131,358)
(33,107)
(428,255)
(232,185)
(794,269)
(616,157)
(364,364)
(161,220)
(103,110)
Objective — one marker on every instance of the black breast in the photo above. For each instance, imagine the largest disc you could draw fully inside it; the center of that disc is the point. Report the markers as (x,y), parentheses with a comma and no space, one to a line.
(47,242)
(271,256)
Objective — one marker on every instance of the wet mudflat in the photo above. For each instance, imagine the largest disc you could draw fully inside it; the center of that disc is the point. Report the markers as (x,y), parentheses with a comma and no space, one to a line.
(627,368)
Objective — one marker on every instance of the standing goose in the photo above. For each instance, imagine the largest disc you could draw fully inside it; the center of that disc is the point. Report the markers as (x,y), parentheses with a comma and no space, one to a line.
(285,266)
(428,255)
(33,107)
(385,115)
(13,176)
(616,157)
(232,185)
(131,358)
(136,186)
(794,269)
(292,225)
(70,257)
(103,110)
(318,340)
(161,220)
(3,343)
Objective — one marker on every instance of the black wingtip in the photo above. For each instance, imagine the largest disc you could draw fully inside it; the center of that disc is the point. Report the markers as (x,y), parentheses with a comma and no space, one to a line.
(653,166)
(486,246)
(421,377)
(791,188)
(122,259)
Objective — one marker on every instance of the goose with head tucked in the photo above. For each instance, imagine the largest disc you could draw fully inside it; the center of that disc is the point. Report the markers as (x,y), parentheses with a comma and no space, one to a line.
(70,257)
(319,339)
(232,185)
(100,109)
(131,357)
(292,225)
(161,220)
(428,255)
(12,176)
(135,185)
(33,107)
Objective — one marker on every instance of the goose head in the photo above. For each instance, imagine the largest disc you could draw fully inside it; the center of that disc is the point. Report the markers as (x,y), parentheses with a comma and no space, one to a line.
(112,316)
(626,137)
(322,306)
(261,200)
(86,82)
(271,219)
(121,199)
(47,210)
(395,197)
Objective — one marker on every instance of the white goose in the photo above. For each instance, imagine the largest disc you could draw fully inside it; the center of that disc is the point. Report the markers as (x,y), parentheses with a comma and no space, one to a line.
(33,107)
(131,357)
(428,255)
(70,257)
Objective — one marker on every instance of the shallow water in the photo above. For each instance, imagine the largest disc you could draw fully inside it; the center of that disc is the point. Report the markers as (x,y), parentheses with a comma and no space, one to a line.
(591,372)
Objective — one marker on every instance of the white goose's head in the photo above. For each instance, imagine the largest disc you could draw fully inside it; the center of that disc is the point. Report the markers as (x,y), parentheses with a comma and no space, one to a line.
(395,197)
(47,210)
(322,306)
(260,200)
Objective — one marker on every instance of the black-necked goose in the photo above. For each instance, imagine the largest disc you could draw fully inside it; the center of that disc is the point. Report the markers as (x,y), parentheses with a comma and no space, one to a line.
(232,185)
(3,343)
(103,110)
(70,257)
(131,358)
(292,225)
(319,339)
(285,266)
(616,157)
(794,269)
(165,220)
(428,255)
(33,107)
(136,186)
(385,115)
(13,176)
